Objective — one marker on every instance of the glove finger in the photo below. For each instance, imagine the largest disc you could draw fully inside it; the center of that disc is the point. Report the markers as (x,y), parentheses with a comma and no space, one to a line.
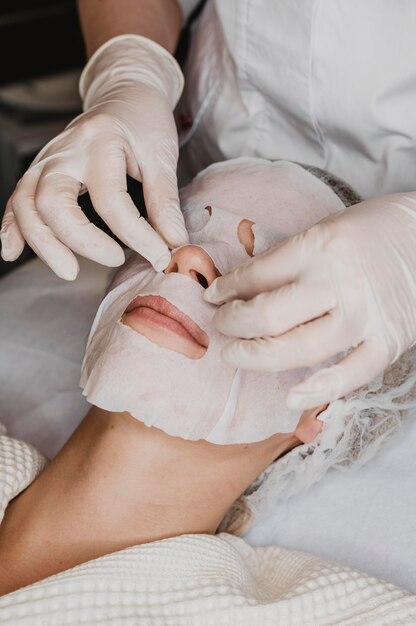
(160,190)
(356,370)
(12,240)
(56,201)
(275,312)
(304,346)
(107,186)
(270,270)
(39,236)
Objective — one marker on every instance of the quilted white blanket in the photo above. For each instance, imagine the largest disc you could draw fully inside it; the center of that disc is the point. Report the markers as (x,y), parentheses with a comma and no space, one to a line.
(195,580)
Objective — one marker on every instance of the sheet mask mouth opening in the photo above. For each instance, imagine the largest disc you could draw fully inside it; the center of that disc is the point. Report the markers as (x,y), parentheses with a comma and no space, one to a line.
(162,323)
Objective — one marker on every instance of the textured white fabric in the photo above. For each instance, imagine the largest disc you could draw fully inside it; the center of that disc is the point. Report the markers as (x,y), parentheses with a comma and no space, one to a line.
(195,580)
(330,83)
(20,463)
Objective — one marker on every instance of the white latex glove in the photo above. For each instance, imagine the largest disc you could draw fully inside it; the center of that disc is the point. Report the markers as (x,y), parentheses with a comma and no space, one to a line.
(129,88)
(347,282)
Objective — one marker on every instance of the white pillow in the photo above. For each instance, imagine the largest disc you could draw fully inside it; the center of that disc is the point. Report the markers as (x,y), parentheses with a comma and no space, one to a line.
(44,323)
(363,518)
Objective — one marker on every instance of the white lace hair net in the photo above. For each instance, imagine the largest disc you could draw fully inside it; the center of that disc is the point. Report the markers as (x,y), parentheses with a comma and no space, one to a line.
(354,430)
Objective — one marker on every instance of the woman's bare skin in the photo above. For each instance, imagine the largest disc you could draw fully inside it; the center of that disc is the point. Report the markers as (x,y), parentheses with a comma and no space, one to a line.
(118,483)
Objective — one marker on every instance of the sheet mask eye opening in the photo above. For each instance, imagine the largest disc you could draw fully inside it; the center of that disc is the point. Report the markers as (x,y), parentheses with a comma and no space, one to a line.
(246,236)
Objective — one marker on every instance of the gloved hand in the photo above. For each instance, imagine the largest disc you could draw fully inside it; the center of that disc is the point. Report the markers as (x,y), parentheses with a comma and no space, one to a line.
(129,89)
(347,282)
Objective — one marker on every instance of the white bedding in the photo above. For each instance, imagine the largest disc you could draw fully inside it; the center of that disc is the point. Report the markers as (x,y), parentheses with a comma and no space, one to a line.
(366,520)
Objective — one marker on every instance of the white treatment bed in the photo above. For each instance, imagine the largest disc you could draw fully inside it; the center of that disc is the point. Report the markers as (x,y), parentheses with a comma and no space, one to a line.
(365,519)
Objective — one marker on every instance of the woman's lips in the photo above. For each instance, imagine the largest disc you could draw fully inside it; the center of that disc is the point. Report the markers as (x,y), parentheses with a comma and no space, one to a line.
(163,323)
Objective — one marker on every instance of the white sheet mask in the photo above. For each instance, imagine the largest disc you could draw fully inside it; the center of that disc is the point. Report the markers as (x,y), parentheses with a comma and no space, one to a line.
(189,398)
(218,236)
(280,197)
(204,398)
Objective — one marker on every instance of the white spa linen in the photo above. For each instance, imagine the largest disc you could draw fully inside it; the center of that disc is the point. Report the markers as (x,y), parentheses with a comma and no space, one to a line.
(195,580)
(204,398)
(44,323)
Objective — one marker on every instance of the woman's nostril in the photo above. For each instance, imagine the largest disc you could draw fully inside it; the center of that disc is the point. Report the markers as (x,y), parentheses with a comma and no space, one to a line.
(202,280)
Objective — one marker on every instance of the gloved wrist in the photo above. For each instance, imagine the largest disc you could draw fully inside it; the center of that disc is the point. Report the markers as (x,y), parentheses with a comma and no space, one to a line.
(130,59)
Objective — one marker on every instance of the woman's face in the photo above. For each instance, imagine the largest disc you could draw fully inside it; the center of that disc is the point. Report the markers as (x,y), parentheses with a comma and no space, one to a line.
(153,351)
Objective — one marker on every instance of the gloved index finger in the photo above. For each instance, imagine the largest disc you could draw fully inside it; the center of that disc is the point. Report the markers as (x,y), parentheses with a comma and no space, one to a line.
(110,198)
(274,312)
(270,270)
(160,190)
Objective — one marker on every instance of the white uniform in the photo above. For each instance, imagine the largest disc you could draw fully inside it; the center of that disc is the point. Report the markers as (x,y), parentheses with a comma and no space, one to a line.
(331,83)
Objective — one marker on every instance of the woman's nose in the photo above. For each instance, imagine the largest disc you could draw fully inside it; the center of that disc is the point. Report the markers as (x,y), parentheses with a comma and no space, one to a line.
(194,262)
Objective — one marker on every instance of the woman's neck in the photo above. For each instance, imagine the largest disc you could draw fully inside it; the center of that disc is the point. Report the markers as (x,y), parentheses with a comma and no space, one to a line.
(118,483)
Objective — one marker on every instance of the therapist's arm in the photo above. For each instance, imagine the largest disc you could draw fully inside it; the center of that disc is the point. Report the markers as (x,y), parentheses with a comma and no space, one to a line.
(159,20)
